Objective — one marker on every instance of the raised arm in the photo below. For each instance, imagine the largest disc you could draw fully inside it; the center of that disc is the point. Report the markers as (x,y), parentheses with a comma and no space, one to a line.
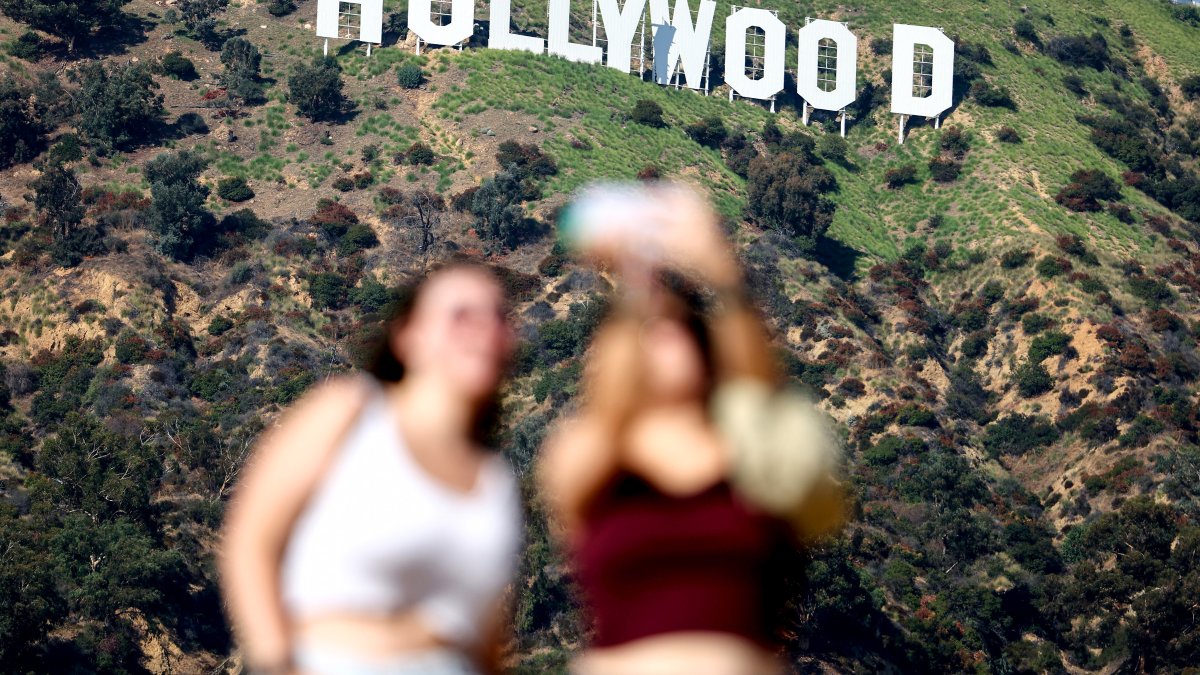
(580,454)
(692,240)
(283,471)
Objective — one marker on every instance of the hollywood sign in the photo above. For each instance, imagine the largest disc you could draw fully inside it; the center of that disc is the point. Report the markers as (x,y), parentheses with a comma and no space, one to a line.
(826,70)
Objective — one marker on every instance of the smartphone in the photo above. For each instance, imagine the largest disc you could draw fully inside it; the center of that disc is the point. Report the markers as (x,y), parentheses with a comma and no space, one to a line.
(608,209)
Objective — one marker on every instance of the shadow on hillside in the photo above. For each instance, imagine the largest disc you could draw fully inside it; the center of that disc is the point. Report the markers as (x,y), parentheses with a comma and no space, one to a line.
(840,259)
(115,40)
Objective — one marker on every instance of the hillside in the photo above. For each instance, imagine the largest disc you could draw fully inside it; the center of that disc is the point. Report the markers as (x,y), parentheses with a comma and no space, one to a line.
(1001,314)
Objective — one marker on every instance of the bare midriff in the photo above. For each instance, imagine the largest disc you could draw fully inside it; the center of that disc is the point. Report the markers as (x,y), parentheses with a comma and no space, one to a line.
(371,636)
(681,653)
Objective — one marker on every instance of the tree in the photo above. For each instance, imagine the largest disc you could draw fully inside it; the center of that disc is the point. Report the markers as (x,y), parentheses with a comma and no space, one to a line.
(30,601)
(177,213)
(67,20)
(199,16)
(22,133)
(117,107)
(242,61)
(316,88)
(789,193)
(57,198)
(424,214)
(88,469)
(497,205)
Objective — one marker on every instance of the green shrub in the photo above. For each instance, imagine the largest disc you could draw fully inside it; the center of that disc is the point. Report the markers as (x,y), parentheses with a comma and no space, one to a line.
(944,169)
(246,223)
(1075,85)
(241,273)
(410,76)
(890,448)
(234,189)
(1140,432)
(1015,258)
(900,176)
(219,325)
(1034,323)
(1088,187)
(648,113)
(955,141)
(1151,291)
(993,96)
(557,384)
(709,132)
(328,290)
(131,348)
(190,124)
(1032,379)
(1092,422)
(1007,134)
(316,88)
(975,345)
(1190,86)
(420,154)
(789,193)
(1018,434)
(28,47)
(359,236)
(1051,266)
(1024,29)
(178,66)
(281,7)
(1048,344)
(913,415)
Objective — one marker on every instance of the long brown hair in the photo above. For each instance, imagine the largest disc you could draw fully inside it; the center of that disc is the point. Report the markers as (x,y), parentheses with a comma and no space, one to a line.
(613,380)
(384,365)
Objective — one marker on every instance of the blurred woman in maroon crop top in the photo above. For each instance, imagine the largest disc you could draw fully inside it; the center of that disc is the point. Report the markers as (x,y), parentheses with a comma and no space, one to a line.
(678,572)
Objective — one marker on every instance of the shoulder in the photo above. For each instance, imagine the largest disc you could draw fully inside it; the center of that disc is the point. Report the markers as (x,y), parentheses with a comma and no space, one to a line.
(317,420)
(335,398)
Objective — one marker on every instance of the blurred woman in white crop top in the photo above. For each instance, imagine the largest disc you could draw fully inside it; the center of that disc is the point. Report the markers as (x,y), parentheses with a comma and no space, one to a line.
(373,533)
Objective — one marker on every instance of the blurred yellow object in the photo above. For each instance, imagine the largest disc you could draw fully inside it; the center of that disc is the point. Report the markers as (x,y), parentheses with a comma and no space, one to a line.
(784,456)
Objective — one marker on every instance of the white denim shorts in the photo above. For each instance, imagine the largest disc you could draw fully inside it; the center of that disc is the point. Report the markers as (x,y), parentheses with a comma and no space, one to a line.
(326,660)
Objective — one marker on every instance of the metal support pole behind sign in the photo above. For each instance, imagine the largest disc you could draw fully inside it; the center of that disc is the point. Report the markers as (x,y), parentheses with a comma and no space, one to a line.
(325,49)
(900,135)
(843,123)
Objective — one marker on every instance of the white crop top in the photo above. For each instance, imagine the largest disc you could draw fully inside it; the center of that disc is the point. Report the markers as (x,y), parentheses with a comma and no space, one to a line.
(380,535)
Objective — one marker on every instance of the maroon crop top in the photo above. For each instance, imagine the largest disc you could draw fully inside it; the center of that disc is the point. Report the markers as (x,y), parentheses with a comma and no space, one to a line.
(651,563)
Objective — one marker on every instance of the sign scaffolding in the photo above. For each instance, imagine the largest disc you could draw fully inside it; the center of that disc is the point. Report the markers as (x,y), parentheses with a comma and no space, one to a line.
(754,65)
(600,37)
(441,13)
(360,20)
